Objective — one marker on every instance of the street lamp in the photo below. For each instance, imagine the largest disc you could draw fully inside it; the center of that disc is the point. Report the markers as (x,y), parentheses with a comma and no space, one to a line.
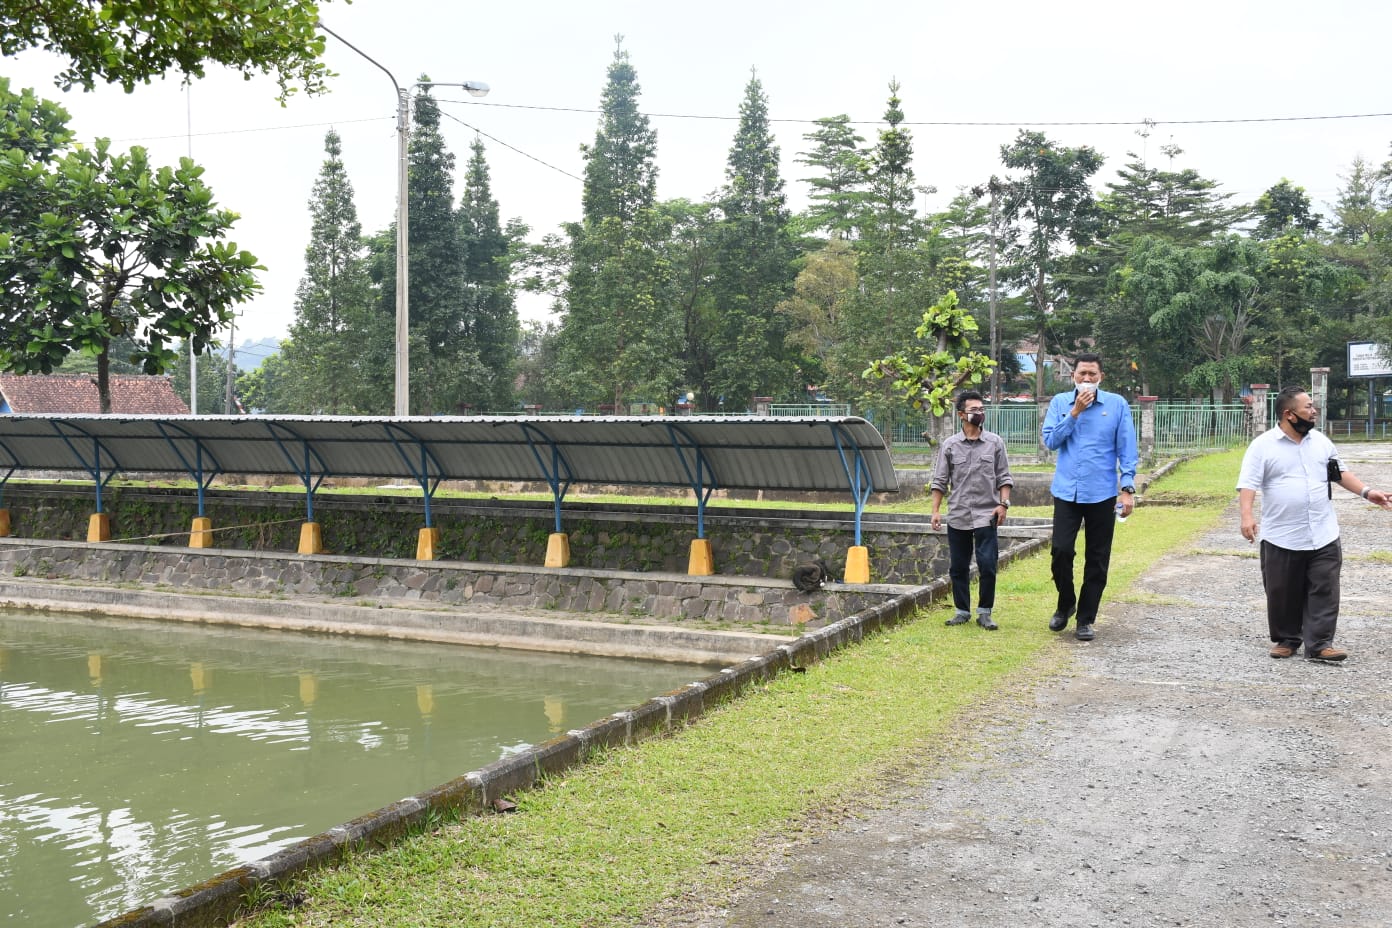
(403,244)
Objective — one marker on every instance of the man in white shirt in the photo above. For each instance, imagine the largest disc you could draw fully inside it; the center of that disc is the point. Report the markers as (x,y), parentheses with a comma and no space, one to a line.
(1293,466)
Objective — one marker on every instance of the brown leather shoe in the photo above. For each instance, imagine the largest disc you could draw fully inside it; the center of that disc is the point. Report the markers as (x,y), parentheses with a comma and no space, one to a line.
(1326,654)
(1282,650)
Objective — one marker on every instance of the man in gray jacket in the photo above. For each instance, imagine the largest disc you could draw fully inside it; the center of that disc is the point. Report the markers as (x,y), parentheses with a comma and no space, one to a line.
(973,464)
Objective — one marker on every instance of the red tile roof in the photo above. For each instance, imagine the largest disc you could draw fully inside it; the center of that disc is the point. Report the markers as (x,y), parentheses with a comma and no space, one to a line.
(71,394)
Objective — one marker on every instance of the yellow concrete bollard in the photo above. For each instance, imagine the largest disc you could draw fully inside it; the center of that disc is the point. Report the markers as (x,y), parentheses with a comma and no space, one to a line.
(558,550)
(4,523)
(202,534)
(701,563)
(99,527)
(427,541)
(311,538)
(858,564)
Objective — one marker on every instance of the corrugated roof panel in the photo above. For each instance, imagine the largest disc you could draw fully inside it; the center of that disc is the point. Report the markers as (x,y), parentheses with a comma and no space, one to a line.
(739,453)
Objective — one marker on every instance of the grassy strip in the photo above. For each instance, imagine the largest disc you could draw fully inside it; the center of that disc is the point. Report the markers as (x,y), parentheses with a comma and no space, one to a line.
(640,827)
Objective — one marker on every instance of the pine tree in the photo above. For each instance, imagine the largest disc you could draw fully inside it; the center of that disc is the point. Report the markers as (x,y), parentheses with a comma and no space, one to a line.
(490,313)
(894,283)
(620,340)
(324,362)
(754,266)
(443,363)
(837,190)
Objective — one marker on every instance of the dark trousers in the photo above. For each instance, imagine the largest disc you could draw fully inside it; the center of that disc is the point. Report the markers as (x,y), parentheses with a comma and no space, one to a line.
(1099,523)
(1302,594)
(960,542)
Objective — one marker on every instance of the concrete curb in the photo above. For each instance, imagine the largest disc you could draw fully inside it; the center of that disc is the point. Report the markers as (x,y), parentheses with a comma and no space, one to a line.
(220,900)
(499,628)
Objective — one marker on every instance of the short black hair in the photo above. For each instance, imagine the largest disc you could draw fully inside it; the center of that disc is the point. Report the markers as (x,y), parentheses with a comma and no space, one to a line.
(1285,400)
(968,395)
(1088,357)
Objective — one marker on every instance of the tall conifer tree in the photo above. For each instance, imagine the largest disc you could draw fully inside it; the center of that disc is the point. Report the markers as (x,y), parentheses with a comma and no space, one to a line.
(754,266)
(327,359)
(490,313)
(620,340)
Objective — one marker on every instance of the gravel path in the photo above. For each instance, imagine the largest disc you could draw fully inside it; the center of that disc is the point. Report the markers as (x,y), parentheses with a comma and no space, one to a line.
(1178,776)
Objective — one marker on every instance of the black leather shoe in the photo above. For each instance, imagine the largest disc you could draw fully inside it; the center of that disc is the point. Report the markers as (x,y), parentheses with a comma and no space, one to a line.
(961,618)
(985,622)
(1060,620)
(1085,632)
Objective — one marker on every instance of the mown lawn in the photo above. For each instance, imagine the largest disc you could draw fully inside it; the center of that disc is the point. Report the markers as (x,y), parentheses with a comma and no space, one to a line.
(681,816)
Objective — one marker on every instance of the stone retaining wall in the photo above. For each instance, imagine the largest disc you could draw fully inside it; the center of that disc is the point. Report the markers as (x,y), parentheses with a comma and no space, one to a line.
(623,595)
(744,542)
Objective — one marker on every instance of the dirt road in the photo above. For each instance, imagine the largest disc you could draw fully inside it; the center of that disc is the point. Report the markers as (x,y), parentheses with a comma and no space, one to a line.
(1179,776)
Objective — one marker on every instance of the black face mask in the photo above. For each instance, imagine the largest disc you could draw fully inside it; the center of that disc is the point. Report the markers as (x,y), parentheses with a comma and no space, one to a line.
(1302,426)
(976,418)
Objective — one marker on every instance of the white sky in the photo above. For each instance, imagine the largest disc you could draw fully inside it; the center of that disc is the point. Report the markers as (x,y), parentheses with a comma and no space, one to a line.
(1016,63)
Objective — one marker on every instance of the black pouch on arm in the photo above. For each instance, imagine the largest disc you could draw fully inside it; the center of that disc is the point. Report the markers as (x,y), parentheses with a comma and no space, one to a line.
(1333,473)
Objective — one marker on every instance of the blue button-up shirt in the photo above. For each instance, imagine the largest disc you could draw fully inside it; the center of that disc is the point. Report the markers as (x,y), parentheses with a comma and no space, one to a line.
(1092,448)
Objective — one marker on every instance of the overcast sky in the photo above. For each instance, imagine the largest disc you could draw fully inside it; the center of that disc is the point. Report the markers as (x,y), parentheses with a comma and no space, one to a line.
(1222,80)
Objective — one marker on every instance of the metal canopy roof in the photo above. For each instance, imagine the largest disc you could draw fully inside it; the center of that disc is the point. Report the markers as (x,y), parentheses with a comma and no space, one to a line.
(702,453)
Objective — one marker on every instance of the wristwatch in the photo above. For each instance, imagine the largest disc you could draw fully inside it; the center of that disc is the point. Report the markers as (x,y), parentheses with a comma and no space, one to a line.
(1005,503)
(1129,489)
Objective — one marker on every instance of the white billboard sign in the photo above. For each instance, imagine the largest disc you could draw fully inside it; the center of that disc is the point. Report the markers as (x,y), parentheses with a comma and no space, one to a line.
(1369,359)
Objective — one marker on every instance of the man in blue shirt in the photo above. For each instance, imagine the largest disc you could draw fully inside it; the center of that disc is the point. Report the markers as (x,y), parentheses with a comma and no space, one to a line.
(1092,432)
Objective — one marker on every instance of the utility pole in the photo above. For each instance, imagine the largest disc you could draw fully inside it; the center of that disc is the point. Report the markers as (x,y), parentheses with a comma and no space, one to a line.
(231,366)
(995,332)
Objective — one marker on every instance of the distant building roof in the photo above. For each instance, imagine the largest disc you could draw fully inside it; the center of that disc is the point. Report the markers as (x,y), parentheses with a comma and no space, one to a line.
(76,394)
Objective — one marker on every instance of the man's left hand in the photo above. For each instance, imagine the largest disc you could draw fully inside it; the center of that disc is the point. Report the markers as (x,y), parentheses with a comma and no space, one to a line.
(1128,503)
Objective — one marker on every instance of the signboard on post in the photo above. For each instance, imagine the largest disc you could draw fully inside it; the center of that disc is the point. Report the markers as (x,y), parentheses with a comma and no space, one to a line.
(1369,359)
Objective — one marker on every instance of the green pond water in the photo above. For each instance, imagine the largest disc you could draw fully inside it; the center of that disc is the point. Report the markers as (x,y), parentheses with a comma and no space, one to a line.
(137,758)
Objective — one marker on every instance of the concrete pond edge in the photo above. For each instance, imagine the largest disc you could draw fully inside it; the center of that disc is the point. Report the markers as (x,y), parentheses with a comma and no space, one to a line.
(229,895)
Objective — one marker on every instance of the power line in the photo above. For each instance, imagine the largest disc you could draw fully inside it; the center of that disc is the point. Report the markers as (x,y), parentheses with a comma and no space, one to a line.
(1017,122)
(506,145)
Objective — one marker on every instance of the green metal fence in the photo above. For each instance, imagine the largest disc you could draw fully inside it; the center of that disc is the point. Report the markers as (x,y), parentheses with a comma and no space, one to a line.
(1179,427)
(1182,428)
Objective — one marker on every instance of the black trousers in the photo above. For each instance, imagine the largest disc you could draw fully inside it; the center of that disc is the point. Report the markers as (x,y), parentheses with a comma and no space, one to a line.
(1099,522)
(960,542)
(1302,594)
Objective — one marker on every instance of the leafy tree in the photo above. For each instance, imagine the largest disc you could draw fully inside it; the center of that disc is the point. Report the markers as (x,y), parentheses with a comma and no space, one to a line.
(1208,298)
(836,191)
(1284,208)
(1048,205)
(337,331)
(490,312)
(619,340)
(100,245)
(689,253)
(536,364)
(944,365)
(753,265)
(131,42)
(825,288)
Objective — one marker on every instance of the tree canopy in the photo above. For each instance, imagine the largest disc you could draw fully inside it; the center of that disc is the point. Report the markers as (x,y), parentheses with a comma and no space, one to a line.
(130,42)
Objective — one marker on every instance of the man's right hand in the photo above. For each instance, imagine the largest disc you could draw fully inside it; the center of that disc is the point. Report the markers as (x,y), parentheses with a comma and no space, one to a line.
(1083,400)
(1249,528)
(936,521)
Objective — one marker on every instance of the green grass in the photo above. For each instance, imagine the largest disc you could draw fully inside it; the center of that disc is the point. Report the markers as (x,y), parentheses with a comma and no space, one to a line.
(646,827)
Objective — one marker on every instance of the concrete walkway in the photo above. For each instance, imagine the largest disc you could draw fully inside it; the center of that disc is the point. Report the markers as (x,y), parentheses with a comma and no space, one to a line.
(1179,776)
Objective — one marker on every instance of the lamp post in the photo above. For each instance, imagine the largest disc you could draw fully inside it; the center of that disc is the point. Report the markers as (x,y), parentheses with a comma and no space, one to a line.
(403,233)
